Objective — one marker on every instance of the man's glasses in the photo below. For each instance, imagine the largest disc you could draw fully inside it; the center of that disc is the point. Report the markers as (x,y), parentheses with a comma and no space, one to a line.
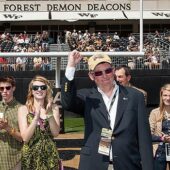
(7,88)
(35,87)
(100,73)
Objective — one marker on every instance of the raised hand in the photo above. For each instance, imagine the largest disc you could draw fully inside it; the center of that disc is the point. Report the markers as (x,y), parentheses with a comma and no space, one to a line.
(74,58)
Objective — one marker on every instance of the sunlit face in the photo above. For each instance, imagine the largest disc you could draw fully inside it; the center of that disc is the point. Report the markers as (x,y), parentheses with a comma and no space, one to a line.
(166,97)
(121,77)
(104,79)
(6,91)
(39,90)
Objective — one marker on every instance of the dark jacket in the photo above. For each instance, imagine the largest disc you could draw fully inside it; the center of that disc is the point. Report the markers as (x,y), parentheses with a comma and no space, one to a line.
(132,144)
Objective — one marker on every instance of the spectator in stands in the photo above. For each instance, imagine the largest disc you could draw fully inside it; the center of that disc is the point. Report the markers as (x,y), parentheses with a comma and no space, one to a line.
(39,122)
(86,35)
(98,43)
(157,34)
(152,60)
(123,77)
(80,35)
(37,38)
(115,112)
(44,39)
(37,63)
(3,64)
(74,35)
(46,64)
(160,128)
(108,40)
(3,36)
(132,63)
(132,38)
(10,138)
(20,40)
(20,63)
(116,37)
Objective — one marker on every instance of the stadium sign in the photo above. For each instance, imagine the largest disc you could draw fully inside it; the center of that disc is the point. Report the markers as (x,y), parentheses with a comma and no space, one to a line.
(64,7)
(80,5)
(75,16)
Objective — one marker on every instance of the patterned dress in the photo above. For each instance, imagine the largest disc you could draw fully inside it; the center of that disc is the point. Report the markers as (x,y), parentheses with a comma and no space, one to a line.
(40,153)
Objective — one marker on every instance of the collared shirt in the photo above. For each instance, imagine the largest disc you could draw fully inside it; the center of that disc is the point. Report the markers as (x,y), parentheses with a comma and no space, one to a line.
(10,148)
(108,100)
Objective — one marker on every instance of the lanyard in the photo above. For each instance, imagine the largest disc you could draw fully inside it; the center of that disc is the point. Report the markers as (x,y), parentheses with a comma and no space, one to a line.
(113,100)
(111,104)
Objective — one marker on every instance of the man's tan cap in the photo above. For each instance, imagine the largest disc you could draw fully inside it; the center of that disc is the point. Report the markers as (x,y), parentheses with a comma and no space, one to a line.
(96,59)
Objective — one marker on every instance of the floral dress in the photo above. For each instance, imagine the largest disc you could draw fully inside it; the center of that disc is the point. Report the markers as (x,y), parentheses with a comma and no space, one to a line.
(40,153)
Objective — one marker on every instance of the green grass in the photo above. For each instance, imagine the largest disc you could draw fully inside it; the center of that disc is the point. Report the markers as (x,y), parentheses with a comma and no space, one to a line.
(75,125)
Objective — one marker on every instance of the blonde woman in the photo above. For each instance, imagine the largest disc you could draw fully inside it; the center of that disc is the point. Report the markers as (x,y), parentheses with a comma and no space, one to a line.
(39,122)
(160,128)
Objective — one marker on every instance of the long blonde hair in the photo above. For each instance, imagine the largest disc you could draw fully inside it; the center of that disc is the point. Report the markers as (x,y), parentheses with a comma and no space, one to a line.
(161,103)
(30,97)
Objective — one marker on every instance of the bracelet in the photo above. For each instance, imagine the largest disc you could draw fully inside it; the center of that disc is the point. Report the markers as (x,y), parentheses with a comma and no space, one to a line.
(49,116)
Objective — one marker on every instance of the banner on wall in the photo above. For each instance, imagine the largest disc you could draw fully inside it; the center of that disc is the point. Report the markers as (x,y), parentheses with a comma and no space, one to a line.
(75,16)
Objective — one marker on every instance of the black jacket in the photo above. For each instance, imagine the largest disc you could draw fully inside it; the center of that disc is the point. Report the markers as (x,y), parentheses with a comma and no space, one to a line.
(132,145)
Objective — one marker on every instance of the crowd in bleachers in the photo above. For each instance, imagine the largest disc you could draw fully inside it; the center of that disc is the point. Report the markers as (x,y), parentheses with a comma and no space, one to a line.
(113,42)
(82,41)
(24,42)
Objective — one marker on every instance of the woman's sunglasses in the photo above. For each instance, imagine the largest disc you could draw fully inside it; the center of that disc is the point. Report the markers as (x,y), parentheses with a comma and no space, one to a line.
(7,88)
(42,87)
(100,73)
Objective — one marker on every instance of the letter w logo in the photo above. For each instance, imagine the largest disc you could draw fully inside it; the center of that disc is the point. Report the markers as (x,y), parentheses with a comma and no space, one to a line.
(88,15)
(13,16)
(161,14)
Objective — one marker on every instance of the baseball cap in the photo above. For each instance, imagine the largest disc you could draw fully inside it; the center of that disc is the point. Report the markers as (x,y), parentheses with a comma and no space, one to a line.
(96,59)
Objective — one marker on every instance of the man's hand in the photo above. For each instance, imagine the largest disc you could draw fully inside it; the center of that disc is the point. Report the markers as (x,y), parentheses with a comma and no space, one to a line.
(74,58)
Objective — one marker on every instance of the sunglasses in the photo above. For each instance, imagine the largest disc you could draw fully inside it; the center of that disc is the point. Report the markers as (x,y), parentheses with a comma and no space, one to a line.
(35,87)
(7,88)
(100,73)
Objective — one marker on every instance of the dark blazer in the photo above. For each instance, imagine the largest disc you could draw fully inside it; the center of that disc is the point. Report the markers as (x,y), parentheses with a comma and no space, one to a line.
(132,144)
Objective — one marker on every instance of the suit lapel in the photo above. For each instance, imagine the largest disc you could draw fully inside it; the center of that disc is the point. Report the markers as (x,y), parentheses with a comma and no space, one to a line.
(122,103)
(101,107)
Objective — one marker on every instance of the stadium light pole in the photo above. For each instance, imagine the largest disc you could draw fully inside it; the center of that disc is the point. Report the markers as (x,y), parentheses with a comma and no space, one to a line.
(141,25)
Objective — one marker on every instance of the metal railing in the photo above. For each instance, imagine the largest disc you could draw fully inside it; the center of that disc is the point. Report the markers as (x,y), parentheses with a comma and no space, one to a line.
(56,58)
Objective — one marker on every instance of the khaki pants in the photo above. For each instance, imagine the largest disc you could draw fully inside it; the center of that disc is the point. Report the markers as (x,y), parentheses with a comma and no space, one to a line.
(17,167)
